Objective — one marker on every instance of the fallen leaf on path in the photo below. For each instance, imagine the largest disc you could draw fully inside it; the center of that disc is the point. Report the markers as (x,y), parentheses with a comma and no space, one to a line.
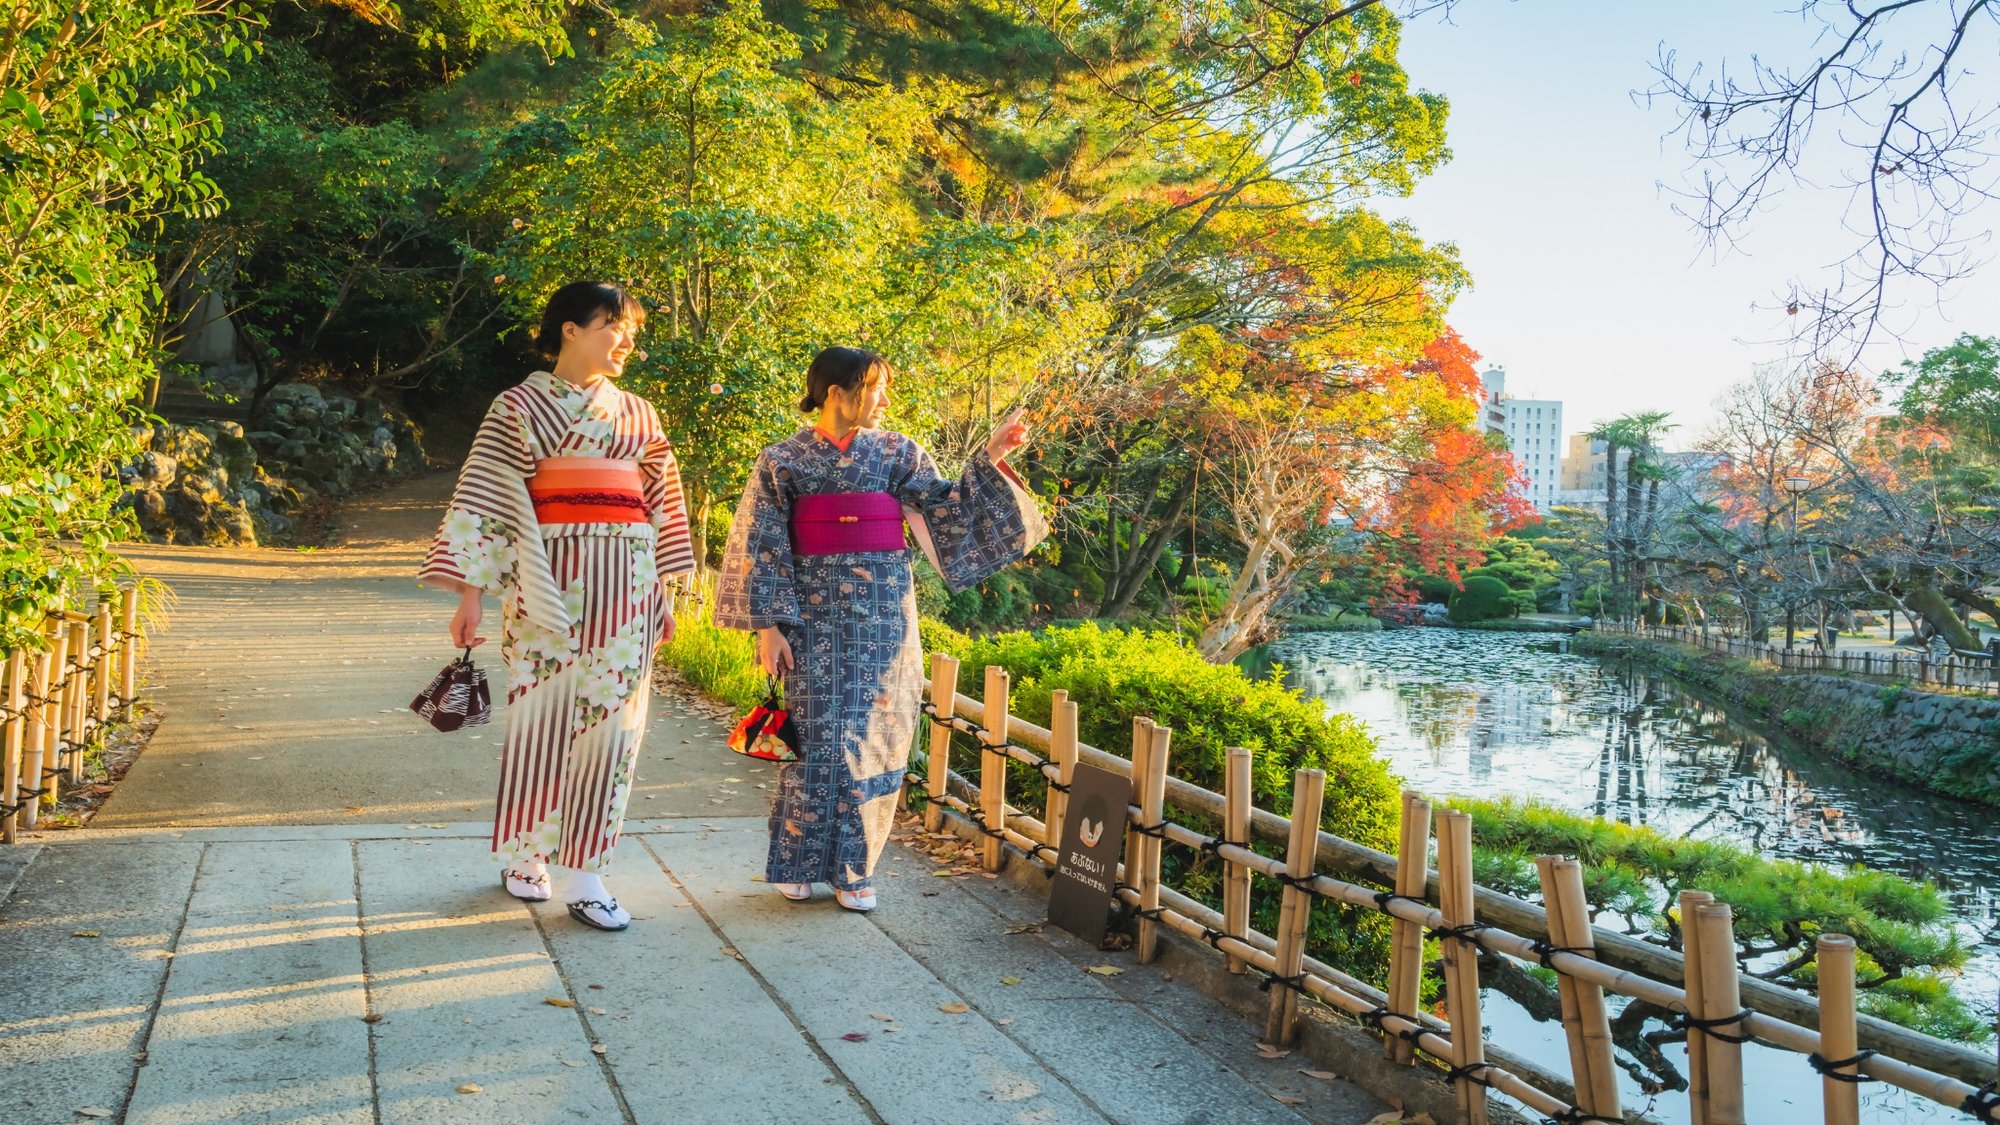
(1104,970)
(1287,1099)
(953,1009)
(571,1062)
(880,1016)
(1026,928)
(1010,980)
(558,1002)
(92,1111)
(372,1017)
(470,1088)
(732,951)
(352,809)
(757,878)
(597,1048)
(856,1037)
(86,933)
(595,987)
(1268,1051)
(1322,1075)
(1005,1022)
(597,1011)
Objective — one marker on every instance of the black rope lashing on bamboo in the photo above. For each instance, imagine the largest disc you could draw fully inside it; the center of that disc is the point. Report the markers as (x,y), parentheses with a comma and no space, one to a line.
(1469,1072)
(31,794)
(1468,933)
(1156,831)
(1296,982)
(1832,1068)
(1048,769)
(1982,1103)
(1296,882)
(1375,1017)
(7,810)
(1134,910)
(1544,951)
(1709,1026)
(1213,845)
(1384,898)
(1574,1115)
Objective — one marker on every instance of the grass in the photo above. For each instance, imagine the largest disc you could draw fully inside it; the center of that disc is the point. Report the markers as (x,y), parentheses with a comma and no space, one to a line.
(720,663)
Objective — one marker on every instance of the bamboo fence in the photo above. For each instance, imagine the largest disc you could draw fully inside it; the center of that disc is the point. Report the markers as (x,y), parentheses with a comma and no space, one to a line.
(1961,671)
(1721,1007)
(55,701)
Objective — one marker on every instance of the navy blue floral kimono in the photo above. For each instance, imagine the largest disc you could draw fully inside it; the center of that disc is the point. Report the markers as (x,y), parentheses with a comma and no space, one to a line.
(851,620)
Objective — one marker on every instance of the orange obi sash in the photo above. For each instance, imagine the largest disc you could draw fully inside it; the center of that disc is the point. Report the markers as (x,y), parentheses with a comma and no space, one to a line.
(587,490)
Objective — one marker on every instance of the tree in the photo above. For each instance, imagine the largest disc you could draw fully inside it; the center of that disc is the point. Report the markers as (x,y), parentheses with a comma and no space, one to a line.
(1891,82)
(1631,512)
(99,138)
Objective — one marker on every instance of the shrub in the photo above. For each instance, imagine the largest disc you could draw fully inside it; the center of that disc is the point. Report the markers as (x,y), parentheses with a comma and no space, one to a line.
(721,663)
(1483,598)
(1434,590)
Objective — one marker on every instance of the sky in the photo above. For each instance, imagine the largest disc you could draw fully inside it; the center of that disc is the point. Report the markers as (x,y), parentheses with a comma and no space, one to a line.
(1586,286)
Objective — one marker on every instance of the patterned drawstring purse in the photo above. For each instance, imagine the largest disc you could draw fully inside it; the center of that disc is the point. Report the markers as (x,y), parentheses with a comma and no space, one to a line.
(456,697)
(767,732)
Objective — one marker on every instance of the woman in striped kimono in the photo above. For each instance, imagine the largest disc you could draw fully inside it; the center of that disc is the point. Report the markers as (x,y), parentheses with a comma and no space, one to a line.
(569,510)
(818,566)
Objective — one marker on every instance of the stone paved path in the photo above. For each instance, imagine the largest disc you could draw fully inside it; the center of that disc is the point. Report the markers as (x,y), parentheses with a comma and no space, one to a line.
(287,914)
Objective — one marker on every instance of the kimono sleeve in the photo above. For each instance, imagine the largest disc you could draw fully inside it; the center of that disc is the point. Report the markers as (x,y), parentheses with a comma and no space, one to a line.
(479,542)
(673,550)
(755,589)
(979,524)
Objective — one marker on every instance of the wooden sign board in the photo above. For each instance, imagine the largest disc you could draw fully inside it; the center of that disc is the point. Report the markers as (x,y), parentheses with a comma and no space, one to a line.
(1093,835)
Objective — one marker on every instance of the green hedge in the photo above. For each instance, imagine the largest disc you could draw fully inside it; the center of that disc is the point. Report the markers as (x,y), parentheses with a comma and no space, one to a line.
(1483,598)
(1114,675)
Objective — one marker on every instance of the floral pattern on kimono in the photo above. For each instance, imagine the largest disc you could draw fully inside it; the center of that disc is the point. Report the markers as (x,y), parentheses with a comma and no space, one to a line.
(851,621)
(582,607)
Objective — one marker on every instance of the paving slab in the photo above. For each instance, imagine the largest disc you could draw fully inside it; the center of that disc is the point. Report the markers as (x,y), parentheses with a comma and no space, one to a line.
(261,1017)
(85,941)
(461,978)
(838,972)
(689,1032)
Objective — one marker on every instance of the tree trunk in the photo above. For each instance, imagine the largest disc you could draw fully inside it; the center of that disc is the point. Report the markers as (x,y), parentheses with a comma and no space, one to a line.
(1937,613)
(1141,560)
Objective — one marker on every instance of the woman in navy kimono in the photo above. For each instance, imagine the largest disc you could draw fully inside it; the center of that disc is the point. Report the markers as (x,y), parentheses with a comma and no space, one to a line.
(818,566)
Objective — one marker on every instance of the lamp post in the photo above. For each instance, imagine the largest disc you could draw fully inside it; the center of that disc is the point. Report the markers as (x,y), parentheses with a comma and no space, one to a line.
(1796,486)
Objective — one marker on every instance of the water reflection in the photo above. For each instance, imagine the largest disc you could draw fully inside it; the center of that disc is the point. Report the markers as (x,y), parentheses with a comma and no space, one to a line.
(1499,714)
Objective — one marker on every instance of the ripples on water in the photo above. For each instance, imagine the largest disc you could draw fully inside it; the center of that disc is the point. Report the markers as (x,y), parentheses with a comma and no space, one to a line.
(1515,714)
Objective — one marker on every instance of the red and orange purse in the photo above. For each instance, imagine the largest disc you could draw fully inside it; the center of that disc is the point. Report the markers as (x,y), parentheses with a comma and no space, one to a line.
(767,732)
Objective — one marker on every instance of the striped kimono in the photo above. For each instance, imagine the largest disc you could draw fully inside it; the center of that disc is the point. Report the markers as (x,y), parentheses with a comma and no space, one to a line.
(582,606)
(851,621)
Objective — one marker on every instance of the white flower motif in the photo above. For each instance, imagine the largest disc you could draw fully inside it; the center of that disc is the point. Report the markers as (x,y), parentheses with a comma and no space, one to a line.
(624,652)
(602,690)
(479,571)
(572,598)
(460,526)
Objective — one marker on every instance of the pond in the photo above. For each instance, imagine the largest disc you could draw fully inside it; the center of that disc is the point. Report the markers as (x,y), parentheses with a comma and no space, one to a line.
(1487,714)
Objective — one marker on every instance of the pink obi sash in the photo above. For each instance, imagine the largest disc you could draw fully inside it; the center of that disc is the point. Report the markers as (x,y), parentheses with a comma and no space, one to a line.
(587,490)
(833,523)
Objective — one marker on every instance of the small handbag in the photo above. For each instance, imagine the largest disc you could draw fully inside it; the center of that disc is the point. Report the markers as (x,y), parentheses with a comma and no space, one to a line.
(767,731)
(456,697)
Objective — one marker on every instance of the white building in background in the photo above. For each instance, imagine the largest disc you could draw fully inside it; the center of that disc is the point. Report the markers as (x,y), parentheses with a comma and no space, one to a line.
(1533,428)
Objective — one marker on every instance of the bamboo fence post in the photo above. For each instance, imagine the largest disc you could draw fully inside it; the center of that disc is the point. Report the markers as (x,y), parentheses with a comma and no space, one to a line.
(128,649)
(56,729)
(1295,909)
(1691,983)
(944,701)
(34,773)
(993,766)
(1142,748)
(1236,830)
(1722,999)
(79,696)
(1593,1021)
(1837,1037)
(100,672)
(1461,964)
(11,787)
(1153,806)
(1406,942)
(1062,752)
(1558,921)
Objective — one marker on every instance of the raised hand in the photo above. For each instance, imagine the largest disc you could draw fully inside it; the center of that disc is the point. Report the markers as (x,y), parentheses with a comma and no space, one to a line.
(1011,435)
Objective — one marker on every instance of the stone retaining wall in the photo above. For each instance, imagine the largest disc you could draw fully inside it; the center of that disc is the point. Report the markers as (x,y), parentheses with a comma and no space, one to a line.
(212,483)
(1943,742)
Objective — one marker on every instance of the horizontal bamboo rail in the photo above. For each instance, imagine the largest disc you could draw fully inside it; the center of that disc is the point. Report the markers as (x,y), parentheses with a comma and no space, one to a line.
(57,698)
(1961,671)
(1942,1072)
